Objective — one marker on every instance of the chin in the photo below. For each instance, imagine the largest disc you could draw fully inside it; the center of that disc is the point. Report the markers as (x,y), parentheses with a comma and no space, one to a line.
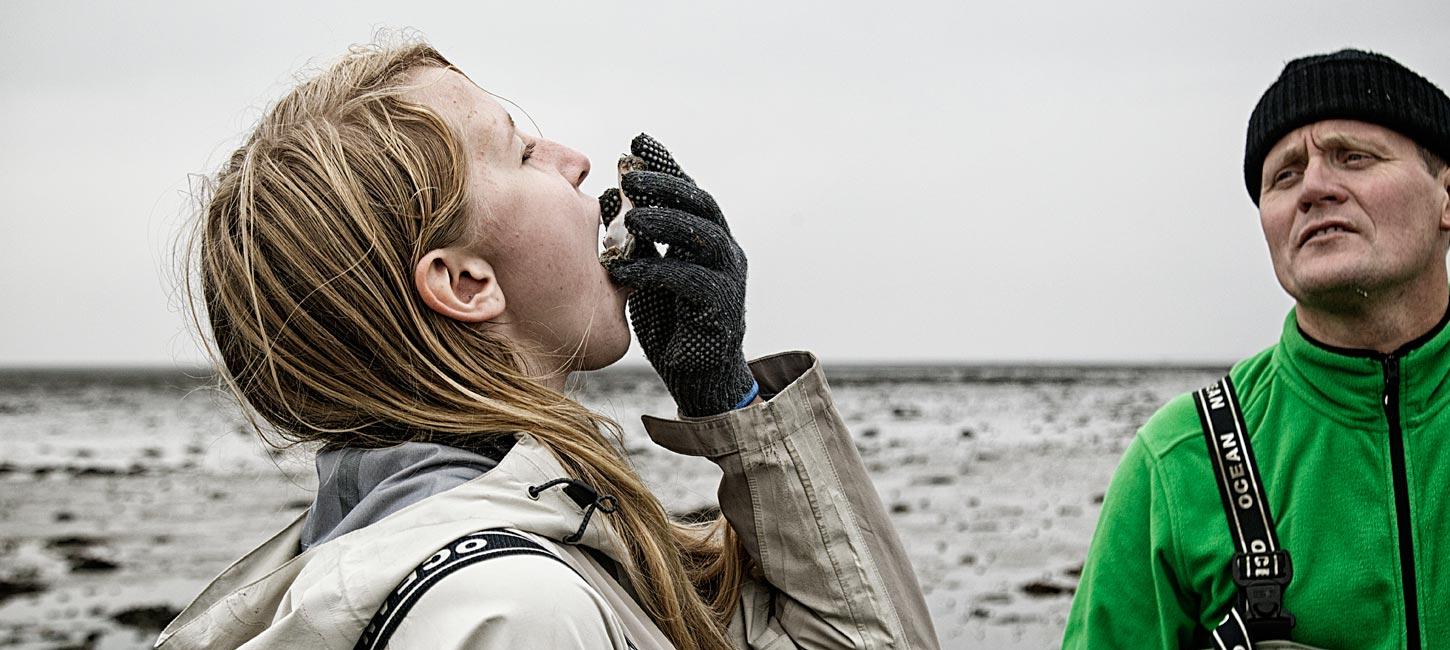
(1328,284)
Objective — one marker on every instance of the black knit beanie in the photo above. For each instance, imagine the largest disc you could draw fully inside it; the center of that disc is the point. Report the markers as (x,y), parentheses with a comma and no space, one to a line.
(1348,84)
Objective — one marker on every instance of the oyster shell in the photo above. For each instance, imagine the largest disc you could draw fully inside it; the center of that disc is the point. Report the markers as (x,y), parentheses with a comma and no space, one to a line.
(618,241)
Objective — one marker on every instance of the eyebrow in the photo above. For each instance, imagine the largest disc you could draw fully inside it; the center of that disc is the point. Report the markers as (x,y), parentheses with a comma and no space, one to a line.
(1291,156)
(1343,141)
(507,141)
(1298,154)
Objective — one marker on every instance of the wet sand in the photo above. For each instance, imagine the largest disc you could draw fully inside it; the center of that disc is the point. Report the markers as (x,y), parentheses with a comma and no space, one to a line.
(123,493)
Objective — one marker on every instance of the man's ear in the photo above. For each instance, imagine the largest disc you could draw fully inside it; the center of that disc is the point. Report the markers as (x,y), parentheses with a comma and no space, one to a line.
(458,284)
(1444,181)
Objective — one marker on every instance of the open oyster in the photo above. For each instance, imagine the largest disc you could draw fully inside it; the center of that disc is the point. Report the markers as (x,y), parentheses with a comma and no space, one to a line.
(618,242)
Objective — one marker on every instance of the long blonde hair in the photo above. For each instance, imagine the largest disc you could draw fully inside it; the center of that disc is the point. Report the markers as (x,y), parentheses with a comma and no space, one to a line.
(305,248)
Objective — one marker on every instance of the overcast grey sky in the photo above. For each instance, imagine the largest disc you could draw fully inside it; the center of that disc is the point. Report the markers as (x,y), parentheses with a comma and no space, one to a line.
(933,181)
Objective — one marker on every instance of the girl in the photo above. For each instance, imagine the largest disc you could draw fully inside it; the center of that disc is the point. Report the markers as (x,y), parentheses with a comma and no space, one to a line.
(392,270)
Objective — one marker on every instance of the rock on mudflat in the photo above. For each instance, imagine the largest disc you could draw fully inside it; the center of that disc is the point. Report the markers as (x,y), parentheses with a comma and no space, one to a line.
(13,588)
(1045,589)
(152,618)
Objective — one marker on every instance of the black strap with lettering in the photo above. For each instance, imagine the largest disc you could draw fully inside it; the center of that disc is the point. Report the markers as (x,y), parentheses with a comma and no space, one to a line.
(1261,568)
(461,552)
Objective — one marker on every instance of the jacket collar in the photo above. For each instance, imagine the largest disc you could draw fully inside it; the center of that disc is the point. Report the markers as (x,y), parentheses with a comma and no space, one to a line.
(358,487)
(334,588)
(1349,383)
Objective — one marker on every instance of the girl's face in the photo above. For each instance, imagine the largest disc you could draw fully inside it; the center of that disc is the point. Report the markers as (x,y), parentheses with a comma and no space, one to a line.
(536,230)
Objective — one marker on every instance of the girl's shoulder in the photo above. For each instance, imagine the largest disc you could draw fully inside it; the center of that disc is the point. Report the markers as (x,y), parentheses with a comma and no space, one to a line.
(516,601)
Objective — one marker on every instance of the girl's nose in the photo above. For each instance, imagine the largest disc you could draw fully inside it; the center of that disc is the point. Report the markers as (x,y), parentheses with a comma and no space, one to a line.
(570,163)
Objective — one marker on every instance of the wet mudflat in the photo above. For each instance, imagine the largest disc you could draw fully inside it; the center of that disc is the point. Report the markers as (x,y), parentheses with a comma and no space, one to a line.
(123,493)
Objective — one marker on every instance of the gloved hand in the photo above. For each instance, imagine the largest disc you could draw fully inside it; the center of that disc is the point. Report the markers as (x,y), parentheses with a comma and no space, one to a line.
(688,307)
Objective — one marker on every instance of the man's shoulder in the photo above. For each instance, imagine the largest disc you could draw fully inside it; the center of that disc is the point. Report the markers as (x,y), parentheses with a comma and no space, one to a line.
(1172,425)
(1177,422)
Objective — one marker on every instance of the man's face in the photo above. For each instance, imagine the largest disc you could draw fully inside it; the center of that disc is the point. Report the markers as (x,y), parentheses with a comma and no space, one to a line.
(1349,207)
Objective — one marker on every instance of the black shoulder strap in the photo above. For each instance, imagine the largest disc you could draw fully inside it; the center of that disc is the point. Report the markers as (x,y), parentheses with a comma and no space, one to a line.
(1261,569)
(461,552)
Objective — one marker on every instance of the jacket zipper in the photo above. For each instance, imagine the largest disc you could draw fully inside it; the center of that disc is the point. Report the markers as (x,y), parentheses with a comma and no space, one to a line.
(1402,501)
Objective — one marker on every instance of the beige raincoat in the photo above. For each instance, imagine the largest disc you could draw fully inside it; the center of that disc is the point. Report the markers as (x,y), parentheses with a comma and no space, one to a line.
(794,489)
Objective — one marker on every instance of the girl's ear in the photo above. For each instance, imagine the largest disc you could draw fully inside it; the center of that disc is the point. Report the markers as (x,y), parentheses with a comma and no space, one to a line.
(459,284)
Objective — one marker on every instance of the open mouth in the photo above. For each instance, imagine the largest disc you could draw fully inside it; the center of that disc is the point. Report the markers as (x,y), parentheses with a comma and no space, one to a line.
(618,242)
(1324,229)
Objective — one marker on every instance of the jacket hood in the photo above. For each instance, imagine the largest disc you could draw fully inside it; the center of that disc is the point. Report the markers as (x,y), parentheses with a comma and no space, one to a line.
(280,596)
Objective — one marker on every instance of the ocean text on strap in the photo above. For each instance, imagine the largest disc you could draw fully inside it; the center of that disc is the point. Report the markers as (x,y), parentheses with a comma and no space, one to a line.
(1261,569)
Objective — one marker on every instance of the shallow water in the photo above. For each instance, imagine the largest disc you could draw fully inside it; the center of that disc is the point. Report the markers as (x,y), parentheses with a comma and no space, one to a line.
(123,492)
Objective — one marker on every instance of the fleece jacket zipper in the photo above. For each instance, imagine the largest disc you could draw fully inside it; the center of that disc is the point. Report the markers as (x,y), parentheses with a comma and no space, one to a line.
(1402,501)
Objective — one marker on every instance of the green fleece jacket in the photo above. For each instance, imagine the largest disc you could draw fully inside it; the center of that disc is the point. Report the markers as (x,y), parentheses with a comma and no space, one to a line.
(1354,449)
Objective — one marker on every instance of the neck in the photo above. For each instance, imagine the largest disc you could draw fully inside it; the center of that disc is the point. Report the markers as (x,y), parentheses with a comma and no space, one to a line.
(545,368)
(556,381)
(1382,321)
(548,373)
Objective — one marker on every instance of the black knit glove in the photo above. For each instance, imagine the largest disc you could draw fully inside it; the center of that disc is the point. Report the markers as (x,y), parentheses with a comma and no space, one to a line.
(688,307)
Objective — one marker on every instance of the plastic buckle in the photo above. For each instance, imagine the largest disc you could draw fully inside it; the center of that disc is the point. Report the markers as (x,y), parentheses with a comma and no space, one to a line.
(1261,592)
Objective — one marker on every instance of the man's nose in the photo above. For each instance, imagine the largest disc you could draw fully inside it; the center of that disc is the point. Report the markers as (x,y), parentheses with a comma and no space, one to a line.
(570,163)
(1321,185)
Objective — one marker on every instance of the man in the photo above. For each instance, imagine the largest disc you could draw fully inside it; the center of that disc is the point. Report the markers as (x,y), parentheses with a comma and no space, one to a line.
(1347,417)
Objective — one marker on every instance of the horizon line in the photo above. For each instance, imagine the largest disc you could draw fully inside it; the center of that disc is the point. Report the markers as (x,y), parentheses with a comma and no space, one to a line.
(79,368)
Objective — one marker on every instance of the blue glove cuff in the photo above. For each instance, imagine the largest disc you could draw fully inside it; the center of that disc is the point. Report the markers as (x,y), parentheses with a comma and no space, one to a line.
(750,396)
